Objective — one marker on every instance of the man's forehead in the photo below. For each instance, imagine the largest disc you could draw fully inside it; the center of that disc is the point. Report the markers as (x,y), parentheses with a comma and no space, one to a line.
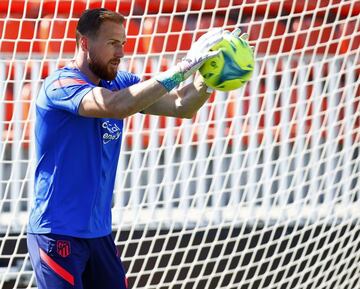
(110,29)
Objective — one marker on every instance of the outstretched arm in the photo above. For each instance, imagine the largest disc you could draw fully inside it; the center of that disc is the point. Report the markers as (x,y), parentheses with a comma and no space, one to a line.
(155,95)
(183,102)
(100,102)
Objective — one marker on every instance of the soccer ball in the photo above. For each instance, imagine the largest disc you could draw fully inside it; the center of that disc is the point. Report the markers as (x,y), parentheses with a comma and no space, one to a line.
(232,67)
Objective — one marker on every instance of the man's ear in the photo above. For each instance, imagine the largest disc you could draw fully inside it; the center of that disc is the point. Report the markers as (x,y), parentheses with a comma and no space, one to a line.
(84,43)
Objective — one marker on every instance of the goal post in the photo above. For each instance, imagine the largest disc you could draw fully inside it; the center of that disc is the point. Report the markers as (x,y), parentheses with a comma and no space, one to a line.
(259,190)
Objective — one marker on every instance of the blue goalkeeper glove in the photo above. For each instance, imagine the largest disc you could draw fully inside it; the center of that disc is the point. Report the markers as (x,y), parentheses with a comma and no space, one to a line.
(197,55)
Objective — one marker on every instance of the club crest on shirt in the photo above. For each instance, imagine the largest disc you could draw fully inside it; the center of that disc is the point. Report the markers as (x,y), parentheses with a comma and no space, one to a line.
(63,248)
(111,132)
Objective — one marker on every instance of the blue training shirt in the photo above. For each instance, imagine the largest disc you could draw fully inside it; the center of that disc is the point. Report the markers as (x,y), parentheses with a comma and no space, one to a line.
(76,158)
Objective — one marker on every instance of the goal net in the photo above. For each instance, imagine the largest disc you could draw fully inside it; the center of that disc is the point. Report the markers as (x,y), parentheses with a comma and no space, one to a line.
(259,190)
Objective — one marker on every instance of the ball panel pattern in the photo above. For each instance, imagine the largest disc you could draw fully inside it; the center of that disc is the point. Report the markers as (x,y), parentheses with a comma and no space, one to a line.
(232,68)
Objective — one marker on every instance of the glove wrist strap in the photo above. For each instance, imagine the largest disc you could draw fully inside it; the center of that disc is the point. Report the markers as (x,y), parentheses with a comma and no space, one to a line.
(170,79)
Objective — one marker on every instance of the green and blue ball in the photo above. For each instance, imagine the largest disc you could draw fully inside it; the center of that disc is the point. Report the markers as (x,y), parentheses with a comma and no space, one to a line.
(232,67)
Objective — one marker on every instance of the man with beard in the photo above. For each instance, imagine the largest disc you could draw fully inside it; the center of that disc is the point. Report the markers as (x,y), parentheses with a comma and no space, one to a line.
(79,123)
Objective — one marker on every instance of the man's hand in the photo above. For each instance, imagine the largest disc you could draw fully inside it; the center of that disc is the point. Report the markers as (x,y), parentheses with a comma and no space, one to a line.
(197,55)
(244,36)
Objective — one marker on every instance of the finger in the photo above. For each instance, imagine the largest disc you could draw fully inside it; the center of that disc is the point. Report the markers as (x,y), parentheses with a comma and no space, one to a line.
(211,54)
(244,36)
(205,42)
(209,90)
(217,37)
(236,32)
(211,33)
(214,41)
(214,38)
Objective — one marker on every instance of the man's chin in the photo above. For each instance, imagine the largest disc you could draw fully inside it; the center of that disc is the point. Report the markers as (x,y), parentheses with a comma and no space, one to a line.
(111,73)
(104,72)
(110,77)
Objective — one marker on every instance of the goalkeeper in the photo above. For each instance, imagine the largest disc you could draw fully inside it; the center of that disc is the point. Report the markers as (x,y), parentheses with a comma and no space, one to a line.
(79,125)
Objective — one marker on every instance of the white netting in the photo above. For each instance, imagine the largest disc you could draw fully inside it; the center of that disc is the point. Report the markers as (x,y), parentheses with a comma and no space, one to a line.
(259,190)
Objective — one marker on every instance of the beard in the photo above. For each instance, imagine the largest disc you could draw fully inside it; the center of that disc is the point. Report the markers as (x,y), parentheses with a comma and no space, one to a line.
(101,69)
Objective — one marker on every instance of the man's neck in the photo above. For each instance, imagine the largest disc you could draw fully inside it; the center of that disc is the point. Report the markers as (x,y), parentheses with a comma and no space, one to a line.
(83,66)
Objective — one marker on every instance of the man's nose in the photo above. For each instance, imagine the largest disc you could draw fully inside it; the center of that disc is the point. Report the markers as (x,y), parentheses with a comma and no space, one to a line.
(119,52)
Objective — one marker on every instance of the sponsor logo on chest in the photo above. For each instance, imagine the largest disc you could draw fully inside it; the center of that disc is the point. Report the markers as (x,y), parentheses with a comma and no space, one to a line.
(110,132)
